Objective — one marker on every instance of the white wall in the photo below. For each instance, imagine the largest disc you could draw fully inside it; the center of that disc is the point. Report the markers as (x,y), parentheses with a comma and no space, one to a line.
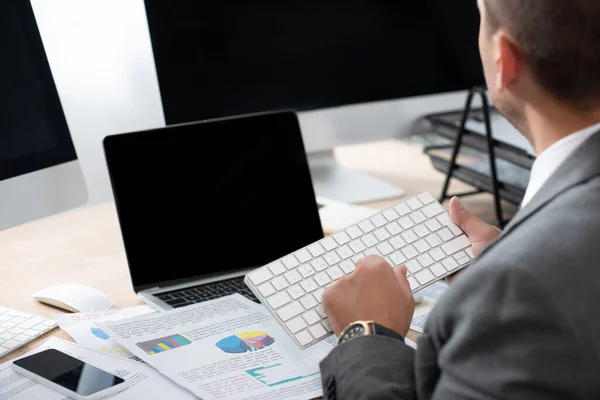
(101,59)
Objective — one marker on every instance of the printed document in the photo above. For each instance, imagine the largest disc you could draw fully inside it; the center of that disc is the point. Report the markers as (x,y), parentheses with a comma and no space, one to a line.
(143,382)
(228,348)
(83,329)
(431,295)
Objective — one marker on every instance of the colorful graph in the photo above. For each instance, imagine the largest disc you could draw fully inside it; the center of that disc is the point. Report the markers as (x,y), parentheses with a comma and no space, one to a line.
(276,374)
(99,333)
(247,341)
(163,344)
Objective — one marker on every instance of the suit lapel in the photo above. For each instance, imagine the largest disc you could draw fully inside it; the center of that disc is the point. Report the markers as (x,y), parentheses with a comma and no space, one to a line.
(582,165)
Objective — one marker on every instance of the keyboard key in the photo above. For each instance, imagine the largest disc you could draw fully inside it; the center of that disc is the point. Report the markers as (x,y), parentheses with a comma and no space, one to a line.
(290,311)
(373,252)
(369,240)
(450,264)
(357,246)
(445,219)
(459,255)
(445,234)
(347,266)
(464,261)
(425,260)
(319,264)
(335,273)
(21,338)
(378,220)
(413,266)
(11,344)
(409,236)
(16,330)
(424,276)
(385,248)
(406,223)
(437,254)
(345,252)
(432,210)
(456,244)
(341,238)
(366,226)
(397,242)
(296,324)
(413,283)
(397,258)
(382,234)
(257,277)
(266,289)
(469,252)
(317,331)
(322,279)
(357,258)
(327,325)
(290,262)
(433,225)
(309,285)
(303,256)
(354,232)
(418,217)
(279,299)
(5,336)
(293,277)
(280,283)
(306,270)
(18,320)
(320,311)
(316,250)
(410,252)
(433,240)
(277,268)
(422,246)
(426,198)
(295,292)
(309,301)
(438,270)
(304,338)
(402,209)
(414,203)
(390,214)
(421,230)
(319,294)
(311,317)
(328,243)
(332,258)
(393,228)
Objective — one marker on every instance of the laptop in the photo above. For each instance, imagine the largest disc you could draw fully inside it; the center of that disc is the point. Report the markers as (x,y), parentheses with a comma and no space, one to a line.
(201,204)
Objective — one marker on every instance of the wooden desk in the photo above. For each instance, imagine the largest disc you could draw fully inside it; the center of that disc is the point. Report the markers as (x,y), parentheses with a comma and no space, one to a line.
(84,245)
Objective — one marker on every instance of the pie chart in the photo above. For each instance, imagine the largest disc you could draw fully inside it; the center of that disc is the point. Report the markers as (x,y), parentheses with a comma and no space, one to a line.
(244,342)
(99,333)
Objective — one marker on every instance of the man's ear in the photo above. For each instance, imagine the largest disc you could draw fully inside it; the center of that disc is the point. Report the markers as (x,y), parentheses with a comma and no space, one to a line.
(509,60)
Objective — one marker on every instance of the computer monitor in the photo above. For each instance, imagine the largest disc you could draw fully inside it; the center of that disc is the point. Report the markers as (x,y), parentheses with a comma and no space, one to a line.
(39,170)
(355,70)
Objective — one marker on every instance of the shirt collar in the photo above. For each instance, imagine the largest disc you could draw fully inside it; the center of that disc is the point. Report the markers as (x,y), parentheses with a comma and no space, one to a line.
(551,158)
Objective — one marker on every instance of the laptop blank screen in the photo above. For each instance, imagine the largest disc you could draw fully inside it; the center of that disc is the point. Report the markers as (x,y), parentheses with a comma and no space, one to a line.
(207,198)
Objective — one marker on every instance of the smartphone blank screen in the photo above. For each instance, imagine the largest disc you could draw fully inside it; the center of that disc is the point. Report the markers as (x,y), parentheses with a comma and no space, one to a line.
(68,372)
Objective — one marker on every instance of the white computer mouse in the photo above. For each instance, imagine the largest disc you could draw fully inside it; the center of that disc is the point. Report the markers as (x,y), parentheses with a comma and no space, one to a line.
(74,297)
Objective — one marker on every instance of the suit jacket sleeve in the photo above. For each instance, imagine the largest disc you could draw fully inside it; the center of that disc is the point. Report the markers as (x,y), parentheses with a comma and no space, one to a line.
(370,367)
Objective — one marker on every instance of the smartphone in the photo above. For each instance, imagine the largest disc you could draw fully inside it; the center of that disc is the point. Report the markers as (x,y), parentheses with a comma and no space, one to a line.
(68,375)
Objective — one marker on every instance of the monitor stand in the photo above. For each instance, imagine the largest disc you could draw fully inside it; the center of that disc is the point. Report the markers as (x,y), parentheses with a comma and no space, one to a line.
(333,181)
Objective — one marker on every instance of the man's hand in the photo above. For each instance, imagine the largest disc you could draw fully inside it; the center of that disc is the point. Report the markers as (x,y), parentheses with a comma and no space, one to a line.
(480,233)
(374,291)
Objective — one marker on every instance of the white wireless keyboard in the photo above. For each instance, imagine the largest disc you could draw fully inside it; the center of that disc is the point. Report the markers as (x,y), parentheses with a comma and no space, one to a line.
(417,232)
(18,329)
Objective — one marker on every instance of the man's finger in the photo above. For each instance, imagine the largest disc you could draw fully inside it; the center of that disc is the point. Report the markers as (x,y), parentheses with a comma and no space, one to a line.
(466,220)
(401,272)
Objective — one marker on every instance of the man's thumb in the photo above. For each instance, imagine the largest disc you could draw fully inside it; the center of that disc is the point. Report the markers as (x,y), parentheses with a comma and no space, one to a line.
(401,272)
(465,219)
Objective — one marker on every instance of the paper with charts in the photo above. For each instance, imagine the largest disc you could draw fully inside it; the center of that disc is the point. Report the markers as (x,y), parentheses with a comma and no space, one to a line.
(142,381)
(228,348)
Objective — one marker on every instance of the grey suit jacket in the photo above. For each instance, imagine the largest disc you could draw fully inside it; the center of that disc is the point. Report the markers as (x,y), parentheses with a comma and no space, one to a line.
(521,322)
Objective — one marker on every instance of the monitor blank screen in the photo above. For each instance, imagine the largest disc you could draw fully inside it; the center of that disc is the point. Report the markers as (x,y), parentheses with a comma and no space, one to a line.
(200,199)
(232,57)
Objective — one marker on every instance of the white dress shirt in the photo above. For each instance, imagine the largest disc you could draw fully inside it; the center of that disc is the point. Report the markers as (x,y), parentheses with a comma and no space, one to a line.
(551,158)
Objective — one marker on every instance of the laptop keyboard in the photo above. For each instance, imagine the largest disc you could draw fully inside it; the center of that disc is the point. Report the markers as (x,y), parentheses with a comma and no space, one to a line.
(208,291)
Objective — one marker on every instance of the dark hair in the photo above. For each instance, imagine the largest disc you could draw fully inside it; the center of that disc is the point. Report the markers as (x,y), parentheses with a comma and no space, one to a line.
(561,40)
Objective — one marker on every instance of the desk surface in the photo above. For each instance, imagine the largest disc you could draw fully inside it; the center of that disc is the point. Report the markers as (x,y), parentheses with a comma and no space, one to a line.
(84,245)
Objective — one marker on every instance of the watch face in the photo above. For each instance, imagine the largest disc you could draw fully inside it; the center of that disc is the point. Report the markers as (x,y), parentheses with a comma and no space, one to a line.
(354,331)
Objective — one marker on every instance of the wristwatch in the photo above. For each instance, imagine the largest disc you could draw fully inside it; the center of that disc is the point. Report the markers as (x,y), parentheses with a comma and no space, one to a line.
(366,328)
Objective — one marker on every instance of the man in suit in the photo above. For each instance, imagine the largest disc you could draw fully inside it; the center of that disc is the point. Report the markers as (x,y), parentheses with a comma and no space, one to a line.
(523,320)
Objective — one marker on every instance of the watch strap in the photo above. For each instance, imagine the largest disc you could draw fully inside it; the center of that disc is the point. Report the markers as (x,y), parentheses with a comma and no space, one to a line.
(383,331)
